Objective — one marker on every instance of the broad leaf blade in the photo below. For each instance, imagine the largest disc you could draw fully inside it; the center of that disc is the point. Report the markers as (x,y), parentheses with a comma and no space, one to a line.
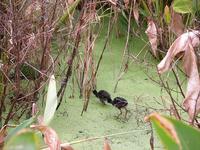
(182,6)
(50,136)
(25,140)
(175,134)
(166,140)
(23,125)
(51,102)
(189,136)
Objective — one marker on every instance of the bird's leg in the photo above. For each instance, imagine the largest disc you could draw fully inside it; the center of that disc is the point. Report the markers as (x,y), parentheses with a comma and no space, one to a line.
(120,113)
(102,101)
(125,112)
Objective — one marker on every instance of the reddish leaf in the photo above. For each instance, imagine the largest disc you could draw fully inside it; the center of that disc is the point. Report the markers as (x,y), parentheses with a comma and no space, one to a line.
(136,13)
(66,147)
(152,35)
(50,136)
(106,145)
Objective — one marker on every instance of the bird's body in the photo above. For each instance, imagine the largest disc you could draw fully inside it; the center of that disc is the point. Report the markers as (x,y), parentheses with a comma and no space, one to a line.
(120,103)
(103,96)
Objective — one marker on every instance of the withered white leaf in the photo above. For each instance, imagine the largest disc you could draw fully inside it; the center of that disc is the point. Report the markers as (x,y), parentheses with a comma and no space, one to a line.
(192,99)
(179,45)
(152,35)
(186,43)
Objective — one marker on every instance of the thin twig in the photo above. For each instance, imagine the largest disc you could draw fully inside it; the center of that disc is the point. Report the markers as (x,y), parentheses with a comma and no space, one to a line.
(178,82)
(124,52)
(99,137)
(171,97)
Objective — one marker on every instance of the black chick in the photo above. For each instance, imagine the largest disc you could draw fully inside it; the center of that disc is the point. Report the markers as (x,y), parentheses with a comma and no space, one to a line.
(102,95)
(120,103)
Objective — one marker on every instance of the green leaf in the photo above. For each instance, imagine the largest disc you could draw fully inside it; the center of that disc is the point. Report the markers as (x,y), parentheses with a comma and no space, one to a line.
(175,134)
(188,136)
(182,6)
(66,14)
(23,125)
(51,102)
(146,9)
(24,140)
(167,15)
(165,138)
(196,5)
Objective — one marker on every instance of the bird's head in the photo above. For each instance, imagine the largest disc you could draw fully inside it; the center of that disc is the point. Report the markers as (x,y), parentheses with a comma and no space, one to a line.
(95,92)
(110,101)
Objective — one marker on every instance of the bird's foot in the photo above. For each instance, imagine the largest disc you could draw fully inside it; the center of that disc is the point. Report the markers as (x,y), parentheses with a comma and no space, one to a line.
(65,113)
(121,119)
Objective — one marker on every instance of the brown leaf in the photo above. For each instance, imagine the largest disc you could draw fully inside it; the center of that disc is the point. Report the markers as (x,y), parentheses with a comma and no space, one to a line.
(50,136)
(33,9)
(193,86)
(176,24)
(165,124)
(3,134)
(186,43)
(126,2)
(179,45)
(106,145)
(70,2)
(66,147)
(152,35)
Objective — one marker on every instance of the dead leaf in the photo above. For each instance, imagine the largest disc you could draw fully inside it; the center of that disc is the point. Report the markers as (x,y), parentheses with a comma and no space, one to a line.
(126,3)
(136,13)
(186,43)
(50,136)
(34,109)
(192,100)
(165,124)
(70,2)
(66,147)
(152,35)
(3,134)
(33,9)
(106,145)
(40,119)
(179,45)
(176,23)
